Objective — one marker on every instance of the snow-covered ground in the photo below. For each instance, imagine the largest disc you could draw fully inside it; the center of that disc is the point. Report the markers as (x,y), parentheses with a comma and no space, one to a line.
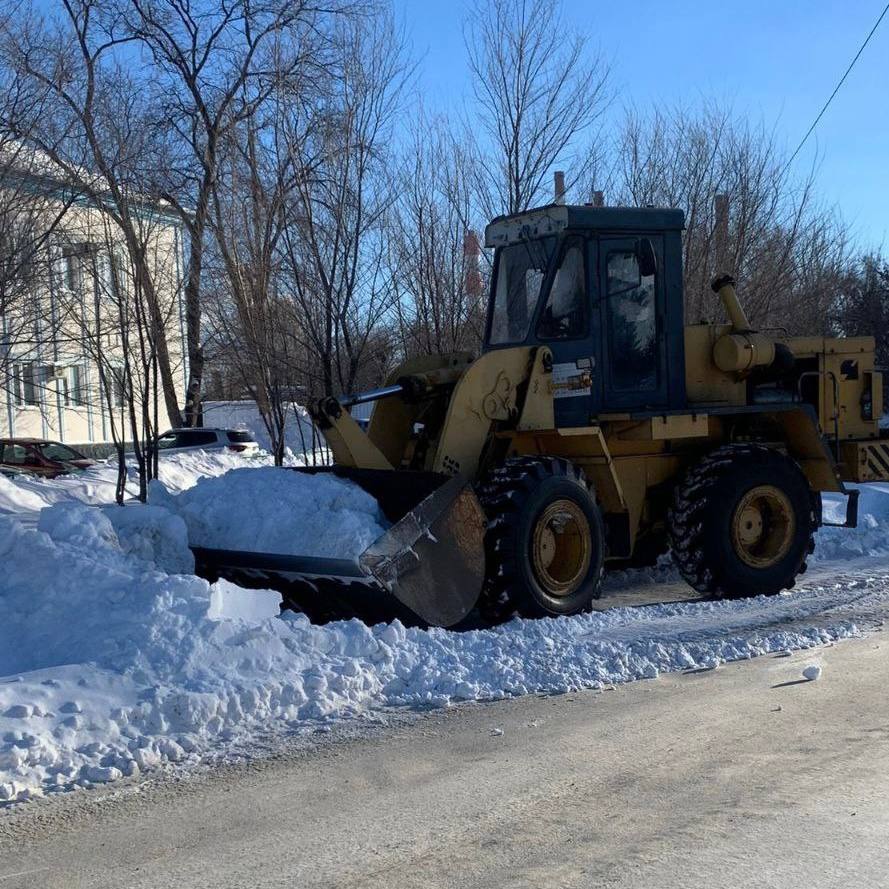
(96,486)
(115,658)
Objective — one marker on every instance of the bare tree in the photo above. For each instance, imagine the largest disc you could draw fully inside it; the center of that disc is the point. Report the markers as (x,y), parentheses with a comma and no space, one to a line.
(215,65)
(251,321)
(111,324)
(333,242)
(435,260)
(94,128)
(787,250)
(540,89)
(33,201)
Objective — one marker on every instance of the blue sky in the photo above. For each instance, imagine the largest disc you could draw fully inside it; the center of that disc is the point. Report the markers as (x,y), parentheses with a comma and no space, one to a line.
(775,62)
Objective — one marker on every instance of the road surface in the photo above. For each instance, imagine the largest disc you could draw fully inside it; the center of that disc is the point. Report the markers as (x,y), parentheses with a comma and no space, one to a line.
(740,776)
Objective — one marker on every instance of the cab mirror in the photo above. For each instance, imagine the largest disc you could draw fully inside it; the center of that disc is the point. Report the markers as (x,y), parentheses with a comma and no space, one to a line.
(646,256)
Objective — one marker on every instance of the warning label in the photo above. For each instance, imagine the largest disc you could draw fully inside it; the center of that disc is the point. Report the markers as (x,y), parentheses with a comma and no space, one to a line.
(569,381)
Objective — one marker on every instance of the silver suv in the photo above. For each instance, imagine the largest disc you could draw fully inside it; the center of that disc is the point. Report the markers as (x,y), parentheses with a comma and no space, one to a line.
(237,440)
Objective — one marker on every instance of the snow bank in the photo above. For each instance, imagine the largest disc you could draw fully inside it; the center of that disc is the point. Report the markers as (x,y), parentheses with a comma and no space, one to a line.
(29,494)
(16,497)
(114,658)
(870,538)
(180,471)
(113,665)
(276,510)
(74,591)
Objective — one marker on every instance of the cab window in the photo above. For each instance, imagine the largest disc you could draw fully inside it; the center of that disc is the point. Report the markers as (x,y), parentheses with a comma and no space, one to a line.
(519,275)
(565,314)
(632,323)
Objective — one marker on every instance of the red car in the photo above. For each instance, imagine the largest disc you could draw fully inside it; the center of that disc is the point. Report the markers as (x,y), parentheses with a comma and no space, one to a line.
(39,457)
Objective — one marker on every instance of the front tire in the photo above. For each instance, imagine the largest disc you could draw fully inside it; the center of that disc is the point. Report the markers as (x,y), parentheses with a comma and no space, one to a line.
(545,543)
(742,522)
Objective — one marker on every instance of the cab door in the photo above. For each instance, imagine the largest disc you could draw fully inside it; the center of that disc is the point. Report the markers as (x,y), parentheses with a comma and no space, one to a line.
(568,324)
(634,373)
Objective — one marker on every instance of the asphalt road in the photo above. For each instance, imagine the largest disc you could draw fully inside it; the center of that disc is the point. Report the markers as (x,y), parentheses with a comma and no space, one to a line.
(742,776)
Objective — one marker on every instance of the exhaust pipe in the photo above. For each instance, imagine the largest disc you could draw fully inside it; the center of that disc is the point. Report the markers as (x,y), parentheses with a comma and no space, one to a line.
(724,287)
(743,349)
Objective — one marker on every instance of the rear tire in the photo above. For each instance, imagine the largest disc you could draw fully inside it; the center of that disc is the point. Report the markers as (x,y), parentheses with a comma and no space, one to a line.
(742,522)
(545,542)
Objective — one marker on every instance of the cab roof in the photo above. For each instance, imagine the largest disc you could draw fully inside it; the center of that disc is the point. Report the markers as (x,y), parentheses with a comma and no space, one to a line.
(555,218)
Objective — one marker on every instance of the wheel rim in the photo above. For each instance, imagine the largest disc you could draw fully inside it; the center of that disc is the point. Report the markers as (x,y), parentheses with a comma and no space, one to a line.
(763,526)
(561,548)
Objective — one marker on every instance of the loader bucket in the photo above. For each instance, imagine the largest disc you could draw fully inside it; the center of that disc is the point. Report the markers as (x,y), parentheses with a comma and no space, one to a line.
(427,569)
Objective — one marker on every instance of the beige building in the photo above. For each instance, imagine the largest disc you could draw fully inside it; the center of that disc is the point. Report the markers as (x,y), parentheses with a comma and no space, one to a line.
(75,342)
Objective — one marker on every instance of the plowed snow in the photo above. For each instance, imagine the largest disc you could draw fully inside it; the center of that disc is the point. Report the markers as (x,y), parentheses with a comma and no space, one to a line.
(115,658)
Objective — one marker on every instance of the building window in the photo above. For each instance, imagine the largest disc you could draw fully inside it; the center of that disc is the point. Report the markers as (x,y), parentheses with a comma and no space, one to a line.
(115,311)
(74,259)
(17,249)
(72,386)
(118,389)
(71,269)
(26,383)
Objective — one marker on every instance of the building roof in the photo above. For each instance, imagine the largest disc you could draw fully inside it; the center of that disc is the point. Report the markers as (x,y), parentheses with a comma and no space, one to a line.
(34,171)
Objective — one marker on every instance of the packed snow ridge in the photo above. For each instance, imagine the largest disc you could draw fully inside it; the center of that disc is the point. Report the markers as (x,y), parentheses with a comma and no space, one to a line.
(27,495)
(115,658)
(276,510)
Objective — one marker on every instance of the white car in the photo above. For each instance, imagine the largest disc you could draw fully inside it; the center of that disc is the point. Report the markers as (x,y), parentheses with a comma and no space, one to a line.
(208,439)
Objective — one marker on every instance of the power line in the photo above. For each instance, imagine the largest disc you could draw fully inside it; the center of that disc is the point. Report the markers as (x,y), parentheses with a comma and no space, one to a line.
(837,87)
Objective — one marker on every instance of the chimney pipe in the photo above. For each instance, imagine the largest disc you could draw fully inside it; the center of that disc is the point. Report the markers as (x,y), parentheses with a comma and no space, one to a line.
(598,198)
(472,277)
(559,187)
(721,219)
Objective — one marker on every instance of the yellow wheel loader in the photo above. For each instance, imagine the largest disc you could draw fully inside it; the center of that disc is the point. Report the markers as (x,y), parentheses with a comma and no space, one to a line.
(595,428)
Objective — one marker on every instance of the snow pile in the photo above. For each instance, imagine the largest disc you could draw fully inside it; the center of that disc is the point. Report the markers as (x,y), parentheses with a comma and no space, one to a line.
(112,665)
(180,471)
(114,658)
(16,497)
(663,571)
(870,538)
(75,591)
(29,494)
(277,511)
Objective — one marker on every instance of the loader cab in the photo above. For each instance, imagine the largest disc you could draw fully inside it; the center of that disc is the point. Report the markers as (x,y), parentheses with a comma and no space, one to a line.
(602,288)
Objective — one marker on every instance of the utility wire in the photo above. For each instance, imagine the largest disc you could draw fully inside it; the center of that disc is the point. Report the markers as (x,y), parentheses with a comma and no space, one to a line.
(837,87)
